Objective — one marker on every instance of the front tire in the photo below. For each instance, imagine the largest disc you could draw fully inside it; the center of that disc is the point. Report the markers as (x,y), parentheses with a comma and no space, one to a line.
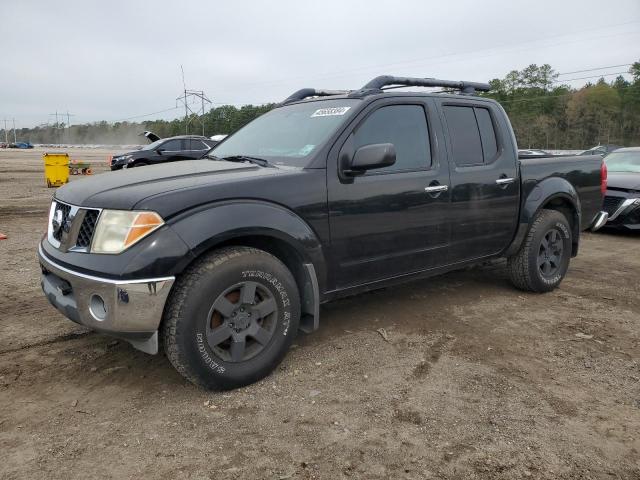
(231,318)
(543,259)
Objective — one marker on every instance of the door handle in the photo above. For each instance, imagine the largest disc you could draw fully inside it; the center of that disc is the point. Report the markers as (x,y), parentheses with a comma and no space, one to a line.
(436,188)
(505,181)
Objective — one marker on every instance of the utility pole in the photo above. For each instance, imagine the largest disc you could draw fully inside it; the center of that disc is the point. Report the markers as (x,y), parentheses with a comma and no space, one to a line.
(14,131)
(6,137)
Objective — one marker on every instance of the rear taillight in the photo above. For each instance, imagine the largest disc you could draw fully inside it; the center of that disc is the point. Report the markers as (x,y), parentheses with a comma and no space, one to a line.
(603,178)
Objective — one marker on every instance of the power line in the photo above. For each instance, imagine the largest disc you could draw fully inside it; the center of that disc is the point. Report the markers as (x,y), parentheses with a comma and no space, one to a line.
(598,68)
(592,76)
(146,114)
(435,57)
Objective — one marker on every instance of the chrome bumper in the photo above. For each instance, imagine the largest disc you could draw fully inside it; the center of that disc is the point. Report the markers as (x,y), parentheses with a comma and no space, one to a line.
(599,221)
(128,309)
(625,207)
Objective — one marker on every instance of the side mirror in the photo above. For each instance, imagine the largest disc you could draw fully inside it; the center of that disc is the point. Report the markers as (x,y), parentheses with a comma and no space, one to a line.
(377,155)
(159,151)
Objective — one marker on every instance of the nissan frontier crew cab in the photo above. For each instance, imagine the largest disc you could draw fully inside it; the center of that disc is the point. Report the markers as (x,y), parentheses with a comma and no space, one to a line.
(331,193)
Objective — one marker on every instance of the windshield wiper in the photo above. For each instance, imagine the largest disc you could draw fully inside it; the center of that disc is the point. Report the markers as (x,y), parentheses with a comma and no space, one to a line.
(244,158)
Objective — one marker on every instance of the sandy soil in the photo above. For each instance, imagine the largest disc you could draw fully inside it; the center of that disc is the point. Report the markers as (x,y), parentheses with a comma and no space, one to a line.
(456,377)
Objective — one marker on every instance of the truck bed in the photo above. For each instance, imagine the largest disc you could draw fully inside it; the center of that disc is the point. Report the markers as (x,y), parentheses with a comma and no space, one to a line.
(581,172)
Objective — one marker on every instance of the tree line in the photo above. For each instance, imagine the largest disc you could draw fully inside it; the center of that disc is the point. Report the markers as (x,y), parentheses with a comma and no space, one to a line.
(548,114)
(544,112)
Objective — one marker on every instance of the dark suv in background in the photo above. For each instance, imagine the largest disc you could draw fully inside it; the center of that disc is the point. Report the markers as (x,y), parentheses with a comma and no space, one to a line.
(172,149)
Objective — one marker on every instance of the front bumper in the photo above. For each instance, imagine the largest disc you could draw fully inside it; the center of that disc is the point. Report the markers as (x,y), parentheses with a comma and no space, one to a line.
(599,220)
(128,309)
(626,215)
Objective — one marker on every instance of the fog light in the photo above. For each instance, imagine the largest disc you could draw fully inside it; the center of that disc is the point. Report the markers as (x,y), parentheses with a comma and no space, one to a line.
(97,307)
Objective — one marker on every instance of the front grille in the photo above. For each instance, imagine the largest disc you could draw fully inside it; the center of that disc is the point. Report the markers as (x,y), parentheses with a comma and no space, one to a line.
(72,228)
(85,234)
(65,209)
(611,204)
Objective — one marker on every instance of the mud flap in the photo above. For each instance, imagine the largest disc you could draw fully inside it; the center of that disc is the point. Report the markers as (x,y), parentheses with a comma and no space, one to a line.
(310,304)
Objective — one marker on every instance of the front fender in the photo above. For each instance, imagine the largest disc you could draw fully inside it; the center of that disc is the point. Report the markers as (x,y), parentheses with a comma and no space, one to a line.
(536,198)
(205,227)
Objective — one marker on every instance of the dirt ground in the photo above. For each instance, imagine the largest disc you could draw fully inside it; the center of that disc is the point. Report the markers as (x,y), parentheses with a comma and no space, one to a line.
(456,377)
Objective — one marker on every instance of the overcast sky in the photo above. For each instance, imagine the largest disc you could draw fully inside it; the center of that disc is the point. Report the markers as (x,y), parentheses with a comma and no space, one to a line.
(114,60)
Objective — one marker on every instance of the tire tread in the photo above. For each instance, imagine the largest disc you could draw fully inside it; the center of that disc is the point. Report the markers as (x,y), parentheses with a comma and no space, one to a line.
(178,297)
(518,265)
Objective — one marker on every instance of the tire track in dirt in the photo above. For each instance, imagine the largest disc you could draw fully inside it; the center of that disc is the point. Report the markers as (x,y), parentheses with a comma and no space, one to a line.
(60,338)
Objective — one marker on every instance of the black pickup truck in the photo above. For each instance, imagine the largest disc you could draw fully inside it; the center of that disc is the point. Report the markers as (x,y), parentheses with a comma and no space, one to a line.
(330,194)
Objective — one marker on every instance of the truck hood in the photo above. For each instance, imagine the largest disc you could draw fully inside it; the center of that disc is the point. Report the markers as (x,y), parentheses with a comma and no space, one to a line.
(204,180)
(624,181)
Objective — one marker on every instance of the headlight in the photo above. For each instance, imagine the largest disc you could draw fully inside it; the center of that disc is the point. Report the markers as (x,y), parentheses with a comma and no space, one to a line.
(120,159)
(117,230)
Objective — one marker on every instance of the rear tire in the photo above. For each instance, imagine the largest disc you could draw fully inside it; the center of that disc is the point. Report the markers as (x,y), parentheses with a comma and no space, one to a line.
(231,318)
(543,259)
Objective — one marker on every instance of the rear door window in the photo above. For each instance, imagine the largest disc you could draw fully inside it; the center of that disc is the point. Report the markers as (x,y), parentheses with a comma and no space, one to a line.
(405,126)
(487,134)
(472,135)
(172,146)
(197,145)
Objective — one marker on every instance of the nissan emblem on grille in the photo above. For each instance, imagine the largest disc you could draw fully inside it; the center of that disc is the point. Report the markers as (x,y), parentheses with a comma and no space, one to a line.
(56,223)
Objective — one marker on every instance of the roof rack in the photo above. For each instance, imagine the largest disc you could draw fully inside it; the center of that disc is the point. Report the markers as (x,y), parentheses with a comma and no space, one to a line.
(312,92)
(388,80)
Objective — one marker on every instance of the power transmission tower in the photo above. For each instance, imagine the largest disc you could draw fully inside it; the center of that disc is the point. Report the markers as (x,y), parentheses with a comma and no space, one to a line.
(59,128)
(6,136)
(195,95)
(56,127)
(69,126)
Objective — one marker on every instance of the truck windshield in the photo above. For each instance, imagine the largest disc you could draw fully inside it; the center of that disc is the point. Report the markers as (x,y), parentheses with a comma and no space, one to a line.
(288,135)
(623,162)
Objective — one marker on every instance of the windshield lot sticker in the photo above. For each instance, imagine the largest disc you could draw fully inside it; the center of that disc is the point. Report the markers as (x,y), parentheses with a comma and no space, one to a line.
(329,112)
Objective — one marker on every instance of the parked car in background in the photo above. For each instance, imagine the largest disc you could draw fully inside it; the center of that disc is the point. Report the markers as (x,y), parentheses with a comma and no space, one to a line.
(20,145)
(622,201)
(172,149)
(603,150)
(3,145)
(532,152)
(329,194)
